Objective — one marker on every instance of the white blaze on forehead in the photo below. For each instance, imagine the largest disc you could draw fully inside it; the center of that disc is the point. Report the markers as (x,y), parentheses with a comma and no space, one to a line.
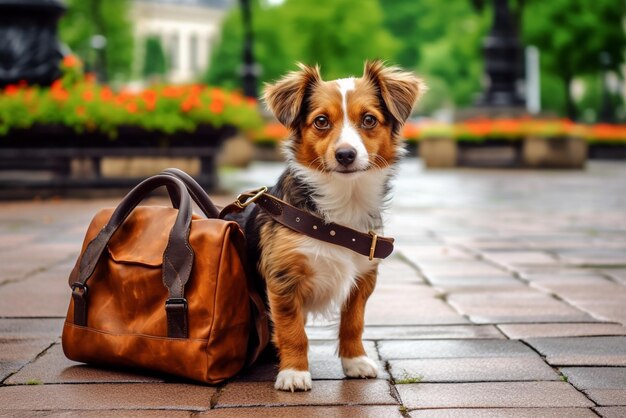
(349,135)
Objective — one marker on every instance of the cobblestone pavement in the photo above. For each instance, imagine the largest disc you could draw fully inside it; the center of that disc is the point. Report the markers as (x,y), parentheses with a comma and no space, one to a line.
(506,296)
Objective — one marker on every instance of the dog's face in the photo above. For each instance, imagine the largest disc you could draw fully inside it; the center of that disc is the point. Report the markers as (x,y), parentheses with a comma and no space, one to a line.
(344,126)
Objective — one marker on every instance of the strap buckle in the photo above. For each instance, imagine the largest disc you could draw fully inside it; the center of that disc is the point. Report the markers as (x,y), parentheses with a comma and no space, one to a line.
(175,303)
(82,287)
(373,246)
(244,199)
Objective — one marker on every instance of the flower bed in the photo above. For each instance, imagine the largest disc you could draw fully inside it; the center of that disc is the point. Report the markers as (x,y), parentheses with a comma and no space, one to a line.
(86,107)
(76,123)
(481,130)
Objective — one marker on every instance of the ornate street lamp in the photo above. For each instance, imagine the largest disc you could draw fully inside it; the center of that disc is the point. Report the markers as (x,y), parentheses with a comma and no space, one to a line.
(249,69)
(29,50)
(502,50)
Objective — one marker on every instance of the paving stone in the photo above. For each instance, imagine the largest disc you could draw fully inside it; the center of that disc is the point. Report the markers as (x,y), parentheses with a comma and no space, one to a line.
(612,412)
(515,307)
(15,353)
(462,282)
(520,331)
(27,328)
(468,269)
(430,332)
(54,367)
(617,274)
(596,377)
(106,397)
(607,397)
(520,257)
(582,277)
(98,414)
(306,411)
(491,395)
(504,412)
(430,253)
(324,392)
(44,294)
(395,270)
(410,332)
(409,305)
(494,369)
(390,350)
(605,309)
(582,351)
(595,257)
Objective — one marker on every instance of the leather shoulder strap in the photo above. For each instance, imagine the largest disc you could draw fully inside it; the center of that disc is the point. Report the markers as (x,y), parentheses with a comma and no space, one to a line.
(367,244)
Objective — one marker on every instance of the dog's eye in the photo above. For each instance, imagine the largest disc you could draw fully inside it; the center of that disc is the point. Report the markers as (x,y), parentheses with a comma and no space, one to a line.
(369,121)
(321,122)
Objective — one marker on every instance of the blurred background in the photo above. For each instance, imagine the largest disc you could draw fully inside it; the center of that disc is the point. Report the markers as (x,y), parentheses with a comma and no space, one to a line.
(581,43)
(498,71)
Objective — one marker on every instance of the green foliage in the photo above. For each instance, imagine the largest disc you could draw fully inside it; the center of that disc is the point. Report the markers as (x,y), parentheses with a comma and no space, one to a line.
(154,59)
(441,41)
(89,107)
(336,34)
(85,18)
(571,34)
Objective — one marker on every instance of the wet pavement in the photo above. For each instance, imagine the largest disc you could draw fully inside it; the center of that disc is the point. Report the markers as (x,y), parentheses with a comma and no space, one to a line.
(506,296)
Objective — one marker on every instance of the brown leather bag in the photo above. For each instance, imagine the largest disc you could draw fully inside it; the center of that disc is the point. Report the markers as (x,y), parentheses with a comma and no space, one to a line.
(164,289)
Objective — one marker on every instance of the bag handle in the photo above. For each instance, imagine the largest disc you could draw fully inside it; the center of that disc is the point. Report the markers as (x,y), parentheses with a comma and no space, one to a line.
(259,312)
(177,258)
(195,190)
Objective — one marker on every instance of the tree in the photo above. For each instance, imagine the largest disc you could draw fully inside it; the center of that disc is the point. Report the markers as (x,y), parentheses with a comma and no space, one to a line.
(337,34)
(154,63)
(442,42)
(109,18)
(572,34)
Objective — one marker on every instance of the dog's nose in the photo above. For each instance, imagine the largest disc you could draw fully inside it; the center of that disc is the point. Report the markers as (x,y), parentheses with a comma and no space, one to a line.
(345,156)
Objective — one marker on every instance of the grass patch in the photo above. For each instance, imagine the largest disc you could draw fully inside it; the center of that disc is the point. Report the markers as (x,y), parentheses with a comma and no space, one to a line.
(34,382)
(564,378)
(408,378)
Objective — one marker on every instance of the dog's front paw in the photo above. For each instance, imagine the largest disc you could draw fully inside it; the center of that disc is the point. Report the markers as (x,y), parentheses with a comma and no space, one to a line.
(361,366)
(292,380)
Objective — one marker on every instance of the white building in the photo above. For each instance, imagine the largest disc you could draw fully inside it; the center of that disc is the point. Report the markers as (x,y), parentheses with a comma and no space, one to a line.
(188,30)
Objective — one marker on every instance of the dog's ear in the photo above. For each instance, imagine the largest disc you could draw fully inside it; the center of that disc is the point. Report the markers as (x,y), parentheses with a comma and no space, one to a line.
(286,96)
(398,89)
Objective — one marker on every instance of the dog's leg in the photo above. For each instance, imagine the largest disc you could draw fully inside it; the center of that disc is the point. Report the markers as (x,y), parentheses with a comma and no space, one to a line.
(291,341)
(353,358)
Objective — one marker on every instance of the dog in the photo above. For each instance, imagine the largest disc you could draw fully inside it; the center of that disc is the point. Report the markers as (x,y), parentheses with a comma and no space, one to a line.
(344,141)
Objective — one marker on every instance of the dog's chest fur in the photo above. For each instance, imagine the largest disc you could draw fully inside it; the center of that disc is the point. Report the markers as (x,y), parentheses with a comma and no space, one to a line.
(353,202)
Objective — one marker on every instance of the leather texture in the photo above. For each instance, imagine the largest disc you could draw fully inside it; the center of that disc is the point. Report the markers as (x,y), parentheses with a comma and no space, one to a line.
(162,289)
(315,227)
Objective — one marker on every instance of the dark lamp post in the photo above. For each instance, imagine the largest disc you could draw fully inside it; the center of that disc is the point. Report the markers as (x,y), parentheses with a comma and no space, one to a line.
(249,70)
(501,49)
(29,50)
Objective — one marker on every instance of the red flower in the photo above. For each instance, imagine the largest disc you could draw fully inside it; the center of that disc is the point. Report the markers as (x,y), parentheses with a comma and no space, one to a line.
(131,107)
(71,61)
(11,90)
(106,94)
(90,78)
(88,95)
(80,111)
(216,106)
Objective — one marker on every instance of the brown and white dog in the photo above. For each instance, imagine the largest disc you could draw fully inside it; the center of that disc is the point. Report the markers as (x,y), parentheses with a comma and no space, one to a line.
(341,151)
